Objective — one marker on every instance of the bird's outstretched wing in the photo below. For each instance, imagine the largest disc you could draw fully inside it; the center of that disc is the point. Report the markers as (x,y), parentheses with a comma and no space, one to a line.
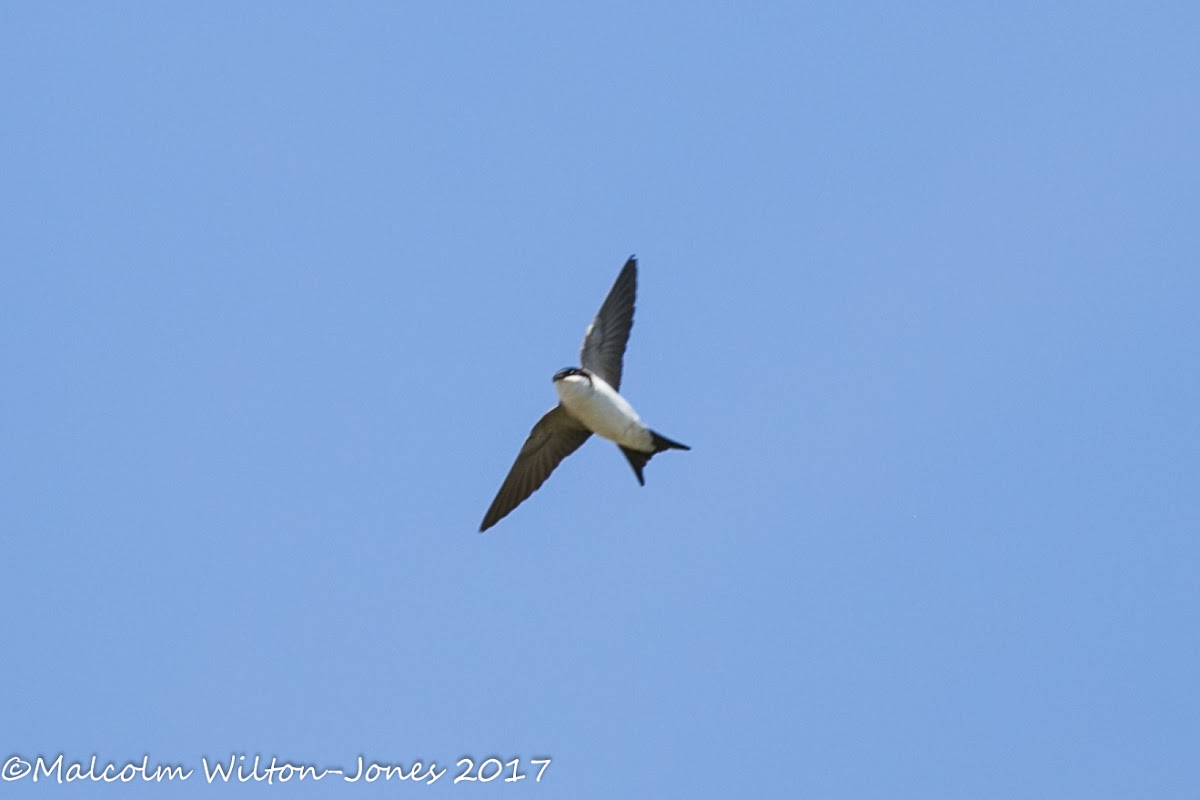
(555,437)
(604,343)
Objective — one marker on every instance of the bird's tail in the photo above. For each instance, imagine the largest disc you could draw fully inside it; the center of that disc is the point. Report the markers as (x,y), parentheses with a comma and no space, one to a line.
(663,443)
(637,459)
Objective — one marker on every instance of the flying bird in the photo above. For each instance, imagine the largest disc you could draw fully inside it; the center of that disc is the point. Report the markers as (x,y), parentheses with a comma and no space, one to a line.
(588,403)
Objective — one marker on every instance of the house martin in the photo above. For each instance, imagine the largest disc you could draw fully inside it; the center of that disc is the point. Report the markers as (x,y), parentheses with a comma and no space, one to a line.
(588,403)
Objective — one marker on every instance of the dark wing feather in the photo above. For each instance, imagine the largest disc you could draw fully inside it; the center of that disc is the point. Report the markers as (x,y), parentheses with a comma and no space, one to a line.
(555,437)
(604,343)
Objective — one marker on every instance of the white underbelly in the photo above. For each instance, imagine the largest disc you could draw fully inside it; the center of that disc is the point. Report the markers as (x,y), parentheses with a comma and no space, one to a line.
(604,412)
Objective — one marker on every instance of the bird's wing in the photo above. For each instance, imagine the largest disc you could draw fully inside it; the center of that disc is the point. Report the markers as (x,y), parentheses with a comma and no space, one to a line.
(604,343)
(555,437)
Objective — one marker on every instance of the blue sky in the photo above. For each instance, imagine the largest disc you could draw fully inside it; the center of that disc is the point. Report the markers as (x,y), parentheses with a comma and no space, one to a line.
(283,287)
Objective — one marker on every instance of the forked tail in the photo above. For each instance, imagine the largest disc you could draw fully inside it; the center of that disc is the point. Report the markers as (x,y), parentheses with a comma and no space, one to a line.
(638,459)
(663,443)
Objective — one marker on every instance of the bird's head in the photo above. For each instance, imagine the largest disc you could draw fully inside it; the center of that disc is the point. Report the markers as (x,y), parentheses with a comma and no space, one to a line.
(567,372)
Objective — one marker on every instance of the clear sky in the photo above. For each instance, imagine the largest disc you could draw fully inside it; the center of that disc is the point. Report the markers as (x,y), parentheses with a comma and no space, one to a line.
(282,288)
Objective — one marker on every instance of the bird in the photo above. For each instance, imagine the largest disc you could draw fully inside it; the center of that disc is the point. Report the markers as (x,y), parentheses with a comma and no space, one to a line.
(589,401)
